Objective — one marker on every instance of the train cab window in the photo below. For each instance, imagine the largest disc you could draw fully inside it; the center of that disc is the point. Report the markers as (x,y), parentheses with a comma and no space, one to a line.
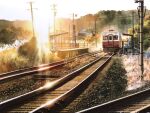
(115,37)
(110,38)
(105,38)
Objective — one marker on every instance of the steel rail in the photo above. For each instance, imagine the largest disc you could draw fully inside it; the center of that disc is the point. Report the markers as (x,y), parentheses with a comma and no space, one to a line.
(27,69)
(32,70)
(56,104)
(19,71)
(29,72)
(54,85)
(123,104)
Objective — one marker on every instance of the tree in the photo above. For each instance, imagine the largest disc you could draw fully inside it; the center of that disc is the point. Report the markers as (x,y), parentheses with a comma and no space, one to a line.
(7,36)
(108,16)
(10,34)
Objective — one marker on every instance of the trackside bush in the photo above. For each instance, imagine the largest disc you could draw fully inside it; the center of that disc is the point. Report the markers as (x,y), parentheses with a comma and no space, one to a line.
(29,49)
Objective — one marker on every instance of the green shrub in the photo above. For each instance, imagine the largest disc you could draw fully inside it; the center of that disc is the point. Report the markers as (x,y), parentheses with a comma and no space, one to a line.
(29,49)
(10,60)
(146,43)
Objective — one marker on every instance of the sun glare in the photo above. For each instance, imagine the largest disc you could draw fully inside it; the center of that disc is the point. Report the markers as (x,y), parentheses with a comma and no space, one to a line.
(42,22)
(42,25)
(49,85)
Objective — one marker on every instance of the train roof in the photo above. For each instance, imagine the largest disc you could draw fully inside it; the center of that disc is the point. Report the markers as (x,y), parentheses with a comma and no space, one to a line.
(112,32)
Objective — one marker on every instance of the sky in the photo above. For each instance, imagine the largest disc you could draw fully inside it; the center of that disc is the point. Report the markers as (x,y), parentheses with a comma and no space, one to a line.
(19,9)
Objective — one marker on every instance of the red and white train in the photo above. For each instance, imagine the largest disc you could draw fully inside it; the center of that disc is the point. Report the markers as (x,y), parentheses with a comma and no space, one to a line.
(112,40)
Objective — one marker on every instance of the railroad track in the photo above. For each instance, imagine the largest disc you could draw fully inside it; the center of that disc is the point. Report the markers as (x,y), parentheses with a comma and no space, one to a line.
(135,103)
(19,84)
(28,71)
(32,70)
(51,95)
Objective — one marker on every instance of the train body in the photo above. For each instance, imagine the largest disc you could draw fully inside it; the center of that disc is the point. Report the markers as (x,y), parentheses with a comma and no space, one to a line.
(112,40)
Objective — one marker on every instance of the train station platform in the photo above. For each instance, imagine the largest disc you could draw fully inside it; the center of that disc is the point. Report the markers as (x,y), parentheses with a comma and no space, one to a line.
(67,53)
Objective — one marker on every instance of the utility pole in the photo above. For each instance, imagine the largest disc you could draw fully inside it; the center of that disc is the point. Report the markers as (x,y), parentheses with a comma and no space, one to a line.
(141,16)
(74,29)
(95,27)
(132,38)
(54,11)
(32,17)
(54,19)
(70,38)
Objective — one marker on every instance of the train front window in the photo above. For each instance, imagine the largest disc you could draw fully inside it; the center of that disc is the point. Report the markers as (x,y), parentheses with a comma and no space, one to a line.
(110,37)
(115,37)
(105,38)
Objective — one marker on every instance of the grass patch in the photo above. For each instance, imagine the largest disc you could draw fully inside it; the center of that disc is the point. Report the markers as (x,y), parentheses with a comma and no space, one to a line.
(10,60)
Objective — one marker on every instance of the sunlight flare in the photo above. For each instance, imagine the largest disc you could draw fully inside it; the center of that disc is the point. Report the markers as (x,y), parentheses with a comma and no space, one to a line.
(42,28)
